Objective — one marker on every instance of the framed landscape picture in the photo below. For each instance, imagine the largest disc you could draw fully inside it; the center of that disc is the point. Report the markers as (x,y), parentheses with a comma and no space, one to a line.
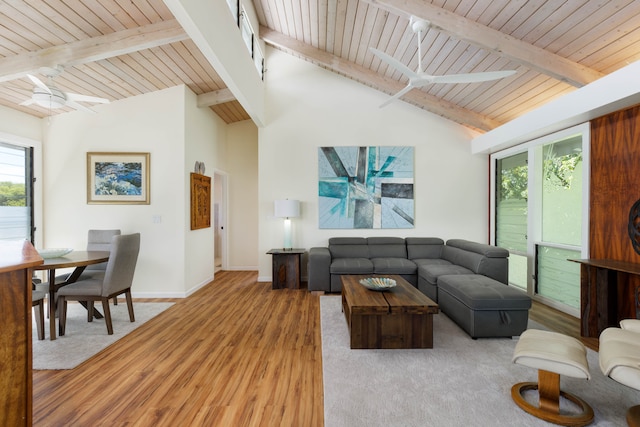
(121,178)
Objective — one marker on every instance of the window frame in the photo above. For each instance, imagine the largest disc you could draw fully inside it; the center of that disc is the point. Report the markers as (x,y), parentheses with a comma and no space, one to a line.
(36,187)
(534,218)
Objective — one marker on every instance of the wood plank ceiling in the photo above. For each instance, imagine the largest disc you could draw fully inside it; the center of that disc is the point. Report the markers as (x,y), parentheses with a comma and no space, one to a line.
(112,49)
(555,47)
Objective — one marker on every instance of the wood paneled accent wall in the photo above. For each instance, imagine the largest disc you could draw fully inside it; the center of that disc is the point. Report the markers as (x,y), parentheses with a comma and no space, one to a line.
(615,187)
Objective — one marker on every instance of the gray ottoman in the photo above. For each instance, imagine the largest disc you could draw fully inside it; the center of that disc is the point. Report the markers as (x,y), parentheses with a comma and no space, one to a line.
(482,306)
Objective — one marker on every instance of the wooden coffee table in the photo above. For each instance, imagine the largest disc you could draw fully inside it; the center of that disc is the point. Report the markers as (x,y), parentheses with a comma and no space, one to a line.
(401,317)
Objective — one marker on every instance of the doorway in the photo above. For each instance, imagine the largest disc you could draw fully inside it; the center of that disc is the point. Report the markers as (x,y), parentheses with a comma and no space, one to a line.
(219,221)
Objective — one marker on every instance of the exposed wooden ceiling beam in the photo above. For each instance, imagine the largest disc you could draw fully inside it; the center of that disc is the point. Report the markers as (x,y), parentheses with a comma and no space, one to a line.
(365,76)
(93,49)
(482,36)
(214,98)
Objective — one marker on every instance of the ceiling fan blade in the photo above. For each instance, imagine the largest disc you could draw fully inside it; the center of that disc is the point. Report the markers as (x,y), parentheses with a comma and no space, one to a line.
(397,95)
(36,81)
(86,98)
(76,106)
(390,60)
(472,77)
(27,102)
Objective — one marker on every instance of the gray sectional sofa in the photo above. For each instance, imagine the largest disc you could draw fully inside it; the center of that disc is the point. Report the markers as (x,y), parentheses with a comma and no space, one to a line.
(468,280)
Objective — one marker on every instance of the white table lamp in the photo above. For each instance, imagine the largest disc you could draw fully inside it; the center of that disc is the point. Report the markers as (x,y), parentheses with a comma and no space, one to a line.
(287,209)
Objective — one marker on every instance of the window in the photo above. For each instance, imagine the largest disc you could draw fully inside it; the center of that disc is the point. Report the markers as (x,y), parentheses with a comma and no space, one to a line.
(234,8)
(246,31)
(16,193)
(511,214)
(540,214)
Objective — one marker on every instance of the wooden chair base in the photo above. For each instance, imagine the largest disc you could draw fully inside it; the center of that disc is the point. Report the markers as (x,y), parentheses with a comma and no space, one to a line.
(549,392)
(633,416)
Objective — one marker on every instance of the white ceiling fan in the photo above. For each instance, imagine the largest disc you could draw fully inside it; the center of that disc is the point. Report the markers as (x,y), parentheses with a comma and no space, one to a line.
(49,96)
(419,78)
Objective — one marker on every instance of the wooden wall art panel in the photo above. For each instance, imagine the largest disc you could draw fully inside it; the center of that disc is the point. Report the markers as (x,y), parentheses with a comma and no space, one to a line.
(200,201)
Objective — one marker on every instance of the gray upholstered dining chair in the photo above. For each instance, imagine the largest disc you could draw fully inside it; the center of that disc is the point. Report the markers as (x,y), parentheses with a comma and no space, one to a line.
(116,281)
(97,240)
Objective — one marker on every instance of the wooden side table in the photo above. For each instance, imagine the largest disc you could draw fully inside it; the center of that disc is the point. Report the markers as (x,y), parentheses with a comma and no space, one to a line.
(286,268)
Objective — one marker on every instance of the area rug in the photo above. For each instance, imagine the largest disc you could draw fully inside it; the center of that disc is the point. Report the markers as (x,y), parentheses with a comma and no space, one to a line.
(84,339)
(460,382)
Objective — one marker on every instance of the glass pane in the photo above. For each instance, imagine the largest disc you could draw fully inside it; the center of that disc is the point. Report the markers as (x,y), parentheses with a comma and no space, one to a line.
(518,271)
(15,221)
(233,6)
(559,279)
(247,32)
(562,192)
(511,202)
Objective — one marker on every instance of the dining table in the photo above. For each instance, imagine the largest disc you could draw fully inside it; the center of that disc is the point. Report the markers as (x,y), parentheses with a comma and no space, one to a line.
(78,260)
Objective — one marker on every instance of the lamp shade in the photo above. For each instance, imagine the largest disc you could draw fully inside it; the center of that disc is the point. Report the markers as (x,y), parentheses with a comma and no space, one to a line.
(287,208)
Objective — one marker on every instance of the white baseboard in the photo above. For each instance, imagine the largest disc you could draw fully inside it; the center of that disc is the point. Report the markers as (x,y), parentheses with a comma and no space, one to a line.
(171,294)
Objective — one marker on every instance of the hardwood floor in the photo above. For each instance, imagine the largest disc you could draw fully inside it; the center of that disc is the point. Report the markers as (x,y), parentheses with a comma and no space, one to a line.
(235,353)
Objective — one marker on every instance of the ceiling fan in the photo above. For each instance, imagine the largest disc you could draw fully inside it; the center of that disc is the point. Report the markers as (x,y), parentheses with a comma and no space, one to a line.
(49,96)
(419,78)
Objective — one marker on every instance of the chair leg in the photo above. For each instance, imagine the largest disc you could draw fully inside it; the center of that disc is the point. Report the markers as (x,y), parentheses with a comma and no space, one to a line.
(39,314)
(62,314)
(107,315)
(89,311)
(127,294)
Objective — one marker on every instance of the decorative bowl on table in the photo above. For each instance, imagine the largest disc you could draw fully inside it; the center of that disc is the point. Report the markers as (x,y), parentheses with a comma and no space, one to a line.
(54,252)
(378,283)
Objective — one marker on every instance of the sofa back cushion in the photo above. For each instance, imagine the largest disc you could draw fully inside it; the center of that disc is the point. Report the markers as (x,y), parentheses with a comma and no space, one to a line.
(387,247)
(491,261)
(480,248)
(424,247)
(348,247)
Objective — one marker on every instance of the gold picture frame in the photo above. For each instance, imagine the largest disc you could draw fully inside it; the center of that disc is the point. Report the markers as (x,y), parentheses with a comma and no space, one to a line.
(200,201)
(118,178)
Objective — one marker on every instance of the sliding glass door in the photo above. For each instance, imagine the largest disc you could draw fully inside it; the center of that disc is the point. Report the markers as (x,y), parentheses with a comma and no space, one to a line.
(540,197)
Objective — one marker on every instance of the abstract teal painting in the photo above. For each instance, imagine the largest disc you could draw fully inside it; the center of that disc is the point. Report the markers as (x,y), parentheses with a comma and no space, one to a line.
(365,187)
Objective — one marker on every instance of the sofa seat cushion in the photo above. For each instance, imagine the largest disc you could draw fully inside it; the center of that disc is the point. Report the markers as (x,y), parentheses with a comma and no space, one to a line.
(431,272)
(393,266)
(480,292)
(430,261)
(351,266)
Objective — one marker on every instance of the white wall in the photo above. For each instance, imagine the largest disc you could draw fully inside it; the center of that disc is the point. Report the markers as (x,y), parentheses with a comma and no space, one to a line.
(242,225)
(310,107)
(175,136)
(202,129)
